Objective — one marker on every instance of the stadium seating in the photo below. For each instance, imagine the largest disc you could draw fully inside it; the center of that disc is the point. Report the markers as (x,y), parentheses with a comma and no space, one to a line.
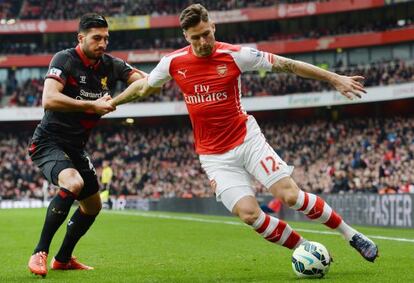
(376,74)
(47,9)
(372,155)
(270,32)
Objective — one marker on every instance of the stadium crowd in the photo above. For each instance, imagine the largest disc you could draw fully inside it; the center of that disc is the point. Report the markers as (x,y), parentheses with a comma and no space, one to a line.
(66,9)
(347,156)
(253,84)
(245,34)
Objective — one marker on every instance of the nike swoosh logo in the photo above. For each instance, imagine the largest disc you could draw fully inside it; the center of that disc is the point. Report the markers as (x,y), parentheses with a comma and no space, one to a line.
(310,260)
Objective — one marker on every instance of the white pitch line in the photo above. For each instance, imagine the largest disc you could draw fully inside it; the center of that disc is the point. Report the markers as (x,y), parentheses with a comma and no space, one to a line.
(195,219)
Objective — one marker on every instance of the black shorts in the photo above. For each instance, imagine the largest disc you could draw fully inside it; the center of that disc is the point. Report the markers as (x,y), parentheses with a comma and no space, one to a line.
(52,158)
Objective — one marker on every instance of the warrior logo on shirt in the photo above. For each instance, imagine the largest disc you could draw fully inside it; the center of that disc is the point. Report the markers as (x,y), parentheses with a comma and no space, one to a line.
(83,79)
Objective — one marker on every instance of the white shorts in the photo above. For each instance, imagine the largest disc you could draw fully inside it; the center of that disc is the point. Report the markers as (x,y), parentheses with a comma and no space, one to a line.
(232,171)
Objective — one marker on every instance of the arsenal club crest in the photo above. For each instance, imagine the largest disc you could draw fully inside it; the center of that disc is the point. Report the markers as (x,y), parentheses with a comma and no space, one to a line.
(222,70)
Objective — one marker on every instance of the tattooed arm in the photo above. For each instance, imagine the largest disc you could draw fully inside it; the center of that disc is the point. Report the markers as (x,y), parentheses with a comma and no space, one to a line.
(348,86)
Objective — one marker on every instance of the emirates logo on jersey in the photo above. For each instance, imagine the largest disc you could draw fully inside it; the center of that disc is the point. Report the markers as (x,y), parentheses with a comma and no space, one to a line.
(222,70)
(202,94)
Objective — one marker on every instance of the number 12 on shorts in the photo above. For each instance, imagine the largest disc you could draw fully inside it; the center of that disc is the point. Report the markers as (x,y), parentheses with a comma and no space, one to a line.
(269,164)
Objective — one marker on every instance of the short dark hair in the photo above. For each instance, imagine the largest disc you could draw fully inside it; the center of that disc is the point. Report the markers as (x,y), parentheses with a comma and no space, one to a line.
(92,20)
(193,15)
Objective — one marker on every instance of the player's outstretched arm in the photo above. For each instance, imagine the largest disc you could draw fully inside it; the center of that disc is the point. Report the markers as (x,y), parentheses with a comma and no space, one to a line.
(137,89)
(351,87)
(53,99)
(136,76)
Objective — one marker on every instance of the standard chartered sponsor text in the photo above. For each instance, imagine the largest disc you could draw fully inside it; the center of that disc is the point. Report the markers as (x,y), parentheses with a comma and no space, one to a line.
(87,94)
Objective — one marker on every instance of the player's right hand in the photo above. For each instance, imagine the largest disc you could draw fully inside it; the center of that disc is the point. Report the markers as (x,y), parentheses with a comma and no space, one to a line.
(103,106)
(351,87)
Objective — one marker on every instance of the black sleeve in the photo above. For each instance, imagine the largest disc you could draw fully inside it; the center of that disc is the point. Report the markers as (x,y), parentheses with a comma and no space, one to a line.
(59,67)
(122,69)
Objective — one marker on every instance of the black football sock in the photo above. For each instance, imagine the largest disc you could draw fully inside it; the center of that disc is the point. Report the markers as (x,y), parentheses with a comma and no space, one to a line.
(77,226)
(56,213)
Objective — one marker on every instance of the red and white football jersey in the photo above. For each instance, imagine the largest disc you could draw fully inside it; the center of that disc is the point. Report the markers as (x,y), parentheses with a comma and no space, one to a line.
(212,90)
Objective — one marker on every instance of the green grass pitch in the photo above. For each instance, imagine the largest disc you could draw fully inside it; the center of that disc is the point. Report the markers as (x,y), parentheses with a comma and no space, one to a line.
(166,247)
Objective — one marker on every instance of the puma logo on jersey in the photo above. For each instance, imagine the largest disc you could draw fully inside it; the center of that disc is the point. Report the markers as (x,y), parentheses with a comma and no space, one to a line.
(182,73)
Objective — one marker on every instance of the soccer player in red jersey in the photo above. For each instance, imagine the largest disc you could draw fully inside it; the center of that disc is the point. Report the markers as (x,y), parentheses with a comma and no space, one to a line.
(229,141)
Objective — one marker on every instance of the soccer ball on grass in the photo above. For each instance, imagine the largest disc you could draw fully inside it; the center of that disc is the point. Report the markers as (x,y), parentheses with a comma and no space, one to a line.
(311,260)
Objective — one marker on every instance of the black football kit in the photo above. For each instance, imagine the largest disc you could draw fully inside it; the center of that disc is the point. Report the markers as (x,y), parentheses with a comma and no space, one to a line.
(60,138)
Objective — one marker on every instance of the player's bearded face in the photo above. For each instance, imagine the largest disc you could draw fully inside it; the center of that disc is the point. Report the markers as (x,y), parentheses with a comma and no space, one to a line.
(94,42)
(201,38)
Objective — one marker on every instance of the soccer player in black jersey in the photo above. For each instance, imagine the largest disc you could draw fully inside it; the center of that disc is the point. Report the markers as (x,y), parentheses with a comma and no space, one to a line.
(77,90)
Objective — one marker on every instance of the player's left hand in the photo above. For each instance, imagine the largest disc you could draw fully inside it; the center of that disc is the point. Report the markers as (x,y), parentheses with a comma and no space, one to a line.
(351,87)
(102,105)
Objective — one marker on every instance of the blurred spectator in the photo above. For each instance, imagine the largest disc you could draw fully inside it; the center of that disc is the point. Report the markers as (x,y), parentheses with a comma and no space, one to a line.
(28,94)
(69,9)
(106,180)
(273,206)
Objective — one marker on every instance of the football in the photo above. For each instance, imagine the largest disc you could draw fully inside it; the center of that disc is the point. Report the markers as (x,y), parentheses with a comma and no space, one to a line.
(311,260)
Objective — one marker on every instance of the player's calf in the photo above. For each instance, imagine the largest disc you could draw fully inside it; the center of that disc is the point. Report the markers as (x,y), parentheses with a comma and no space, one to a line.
(315,208)
(272,229)
(277,231)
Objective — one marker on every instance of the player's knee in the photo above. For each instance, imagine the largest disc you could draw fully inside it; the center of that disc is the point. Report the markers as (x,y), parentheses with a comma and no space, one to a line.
(249,216)
(286,190)
(247,209)
(71,180)
(291,196)
(78,184)
(75,186)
